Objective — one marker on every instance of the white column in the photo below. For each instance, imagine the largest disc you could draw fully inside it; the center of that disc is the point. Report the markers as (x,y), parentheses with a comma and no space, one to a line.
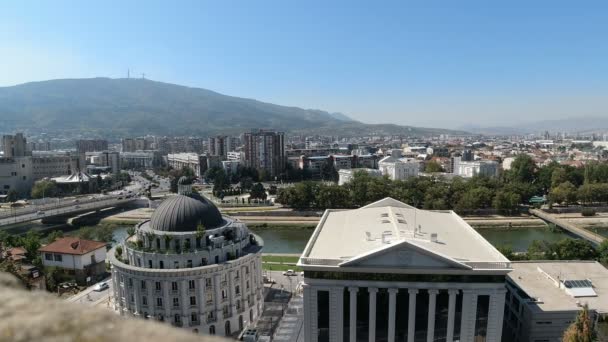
(469,314)
(411,316)
(336,314)
(137,297)
(353,314)
(451,314)
(167,301)
(430,335)
(372,313)
(496,315)
(311,314)
(392,308)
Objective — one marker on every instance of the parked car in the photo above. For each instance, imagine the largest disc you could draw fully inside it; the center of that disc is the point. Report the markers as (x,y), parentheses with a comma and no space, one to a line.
(101,286)
(289,273)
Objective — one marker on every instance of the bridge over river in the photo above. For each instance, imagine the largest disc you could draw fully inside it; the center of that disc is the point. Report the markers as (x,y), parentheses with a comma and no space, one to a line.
(573,229)
(64,209)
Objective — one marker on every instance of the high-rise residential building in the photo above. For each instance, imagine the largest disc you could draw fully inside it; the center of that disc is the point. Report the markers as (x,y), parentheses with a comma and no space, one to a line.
(39,146)
(91,145)
(14,145)
(134,144)
(265,150)
(392,272)
(220,145)
(208,281)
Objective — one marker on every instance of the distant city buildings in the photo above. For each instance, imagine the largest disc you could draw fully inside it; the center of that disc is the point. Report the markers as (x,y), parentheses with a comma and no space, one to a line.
(221,145)
(140,160)
(91,145)
(398,168)
(265,151)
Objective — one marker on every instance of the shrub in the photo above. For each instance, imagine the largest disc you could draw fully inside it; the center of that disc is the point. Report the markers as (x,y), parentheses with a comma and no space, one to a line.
(588,212)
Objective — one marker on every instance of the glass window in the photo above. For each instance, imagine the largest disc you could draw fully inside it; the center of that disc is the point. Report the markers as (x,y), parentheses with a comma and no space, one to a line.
(159,302)
(175,302)
(48,256)
(174,286)
(192,300)
(58,257)
(191,284)
(158,286)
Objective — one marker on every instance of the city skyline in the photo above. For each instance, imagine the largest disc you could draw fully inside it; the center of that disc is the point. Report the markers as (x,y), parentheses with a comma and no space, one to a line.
(431,65)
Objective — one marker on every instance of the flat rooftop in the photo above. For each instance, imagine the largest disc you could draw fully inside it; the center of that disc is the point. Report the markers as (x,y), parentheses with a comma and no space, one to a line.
(542,279)
(348,234)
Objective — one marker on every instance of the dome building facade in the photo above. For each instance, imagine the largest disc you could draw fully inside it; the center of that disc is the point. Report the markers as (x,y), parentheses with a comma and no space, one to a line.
(191,267)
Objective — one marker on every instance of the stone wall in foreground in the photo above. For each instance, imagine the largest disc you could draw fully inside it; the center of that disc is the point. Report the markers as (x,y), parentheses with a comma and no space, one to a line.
(40,316)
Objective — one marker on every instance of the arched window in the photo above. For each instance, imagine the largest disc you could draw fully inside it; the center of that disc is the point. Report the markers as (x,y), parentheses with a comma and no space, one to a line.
(227,326)
(161,264)
(241,323)
(250,315)
(212,330)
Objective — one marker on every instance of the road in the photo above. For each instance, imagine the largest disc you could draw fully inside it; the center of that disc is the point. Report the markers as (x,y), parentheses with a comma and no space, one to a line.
(105,202)
(88,297)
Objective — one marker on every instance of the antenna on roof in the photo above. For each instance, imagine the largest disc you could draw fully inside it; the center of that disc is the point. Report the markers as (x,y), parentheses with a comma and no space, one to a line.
(143,76)
(128,73)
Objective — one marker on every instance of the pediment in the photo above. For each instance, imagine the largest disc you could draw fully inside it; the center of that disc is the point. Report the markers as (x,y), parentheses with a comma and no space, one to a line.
(404,255)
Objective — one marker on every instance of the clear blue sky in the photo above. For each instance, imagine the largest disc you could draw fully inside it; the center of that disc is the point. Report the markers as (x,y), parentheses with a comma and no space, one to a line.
(432,63)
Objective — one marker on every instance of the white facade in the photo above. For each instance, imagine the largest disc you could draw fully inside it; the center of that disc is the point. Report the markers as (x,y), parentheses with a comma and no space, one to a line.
(16,174)
(468,169)
(207,281)
(55,164)
(372,273)
(73,261)
(230,166)
(397,168)
(189,160)
(346,175)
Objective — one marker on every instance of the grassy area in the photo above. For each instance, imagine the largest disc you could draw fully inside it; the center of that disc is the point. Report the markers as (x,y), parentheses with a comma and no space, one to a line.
(279,267)
(282,225)
(280,258)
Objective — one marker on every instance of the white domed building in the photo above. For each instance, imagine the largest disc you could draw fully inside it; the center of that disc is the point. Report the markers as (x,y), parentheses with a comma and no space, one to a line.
(191,267)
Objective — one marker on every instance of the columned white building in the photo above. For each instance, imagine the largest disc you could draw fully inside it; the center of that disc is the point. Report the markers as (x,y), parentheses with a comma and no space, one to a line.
(398,168)
(390,272)
(191,267)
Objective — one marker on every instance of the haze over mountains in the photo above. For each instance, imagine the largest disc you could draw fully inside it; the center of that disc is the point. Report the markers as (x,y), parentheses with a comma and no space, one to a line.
(120,107)
(569,125)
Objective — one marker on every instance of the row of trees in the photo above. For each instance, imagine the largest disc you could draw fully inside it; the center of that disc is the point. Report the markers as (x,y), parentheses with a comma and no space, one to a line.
(565,249)
(562,184)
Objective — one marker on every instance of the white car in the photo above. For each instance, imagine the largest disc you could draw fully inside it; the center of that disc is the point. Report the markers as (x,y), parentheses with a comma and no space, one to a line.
(101,286)
(289,273)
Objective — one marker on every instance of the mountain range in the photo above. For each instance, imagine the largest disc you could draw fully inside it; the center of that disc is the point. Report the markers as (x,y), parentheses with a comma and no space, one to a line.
(123,107)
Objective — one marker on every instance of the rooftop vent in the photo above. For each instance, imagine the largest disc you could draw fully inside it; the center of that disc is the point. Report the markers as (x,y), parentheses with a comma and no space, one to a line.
(384,215)
(386,221)
(434,237)
(401,221)
(386,236)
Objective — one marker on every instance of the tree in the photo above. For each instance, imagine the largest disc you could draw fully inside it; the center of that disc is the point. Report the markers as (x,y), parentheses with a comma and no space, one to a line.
(522,169)
(328,171)
(506,201)
(563,193)
(31,243)
(602,251)
(12,196)
(258,191)
(558,177)
(538,250)
(246,183)
(54,235)
(44,188)
(574,249)
(582,329)
(433,166)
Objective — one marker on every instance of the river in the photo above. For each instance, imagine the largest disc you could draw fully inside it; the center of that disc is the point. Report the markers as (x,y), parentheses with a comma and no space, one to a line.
(284,240)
